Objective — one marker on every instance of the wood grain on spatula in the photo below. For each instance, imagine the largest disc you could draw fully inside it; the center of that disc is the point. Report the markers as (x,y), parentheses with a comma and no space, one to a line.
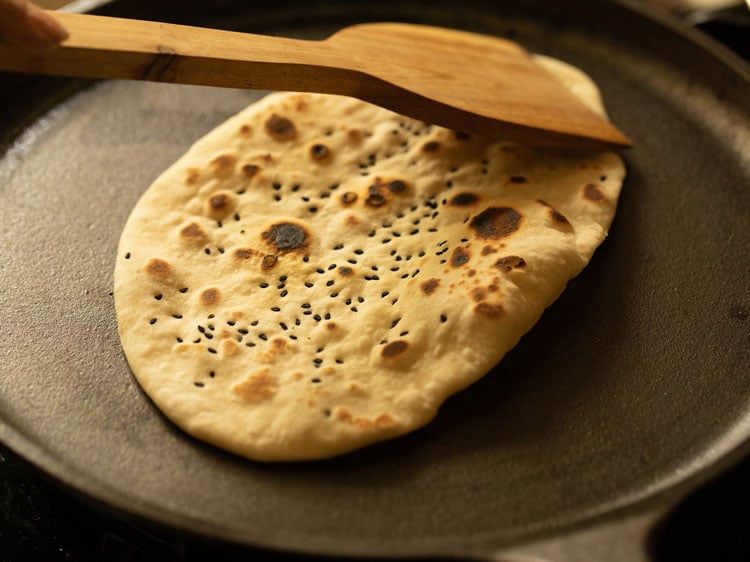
(464,81)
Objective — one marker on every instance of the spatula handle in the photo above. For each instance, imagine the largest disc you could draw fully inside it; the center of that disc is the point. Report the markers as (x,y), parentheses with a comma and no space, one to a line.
(104,47)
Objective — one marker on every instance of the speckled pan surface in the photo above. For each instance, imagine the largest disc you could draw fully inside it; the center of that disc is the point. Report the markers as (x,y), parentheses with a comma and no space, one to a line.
(634,382)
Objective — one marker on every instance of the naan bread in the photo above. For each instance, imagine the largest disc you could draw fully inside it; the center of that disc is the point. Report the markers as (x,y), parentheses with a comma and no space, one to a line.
(318,273)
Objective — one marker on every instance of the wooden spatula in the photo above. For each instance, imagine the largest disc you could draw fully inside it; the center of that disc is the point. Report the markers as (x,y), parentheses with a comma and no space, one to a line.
(467,82)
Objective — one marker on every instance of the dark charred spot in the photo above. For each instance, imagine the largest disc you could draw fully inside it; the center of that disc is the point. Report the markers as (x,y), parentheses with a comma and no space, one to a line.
(430,285)
(210,296)
(218,201)
(518,179)
(430,147)
(496,222)
(158,268)
(287,236)
(319,152)
(478,294)
(557,216)
(250,170)
(554,214)
(487,250)
(220,204)
(269,261)
(280,128)
(348,198)
(464,199)
(243,253)
(459,257)
(394,349)
(223,163)
(461,136)
(592,192)
(396,186)
(191,232)
(489,310)
(345,270)
(246,130)
(375,200)
(510,262)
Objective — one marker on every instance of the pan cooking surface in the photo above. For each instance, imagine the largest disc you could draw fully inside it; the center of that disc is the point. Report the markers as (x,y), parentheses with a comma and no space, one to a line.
(633,381)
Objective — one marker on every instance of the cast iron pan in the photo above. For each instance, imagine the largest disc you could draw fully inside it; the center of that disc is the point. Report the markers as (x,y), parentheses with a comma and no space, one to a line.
(633,388)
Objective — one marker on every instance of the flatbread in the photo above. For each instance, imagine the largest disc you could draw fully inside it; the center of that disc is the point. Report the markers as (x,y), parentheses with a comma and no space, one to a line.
(317,273)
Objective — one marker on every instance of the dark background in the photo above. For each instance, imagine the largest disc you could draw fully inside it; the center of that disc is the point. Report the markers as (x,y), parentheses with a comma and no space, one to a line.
(39,520)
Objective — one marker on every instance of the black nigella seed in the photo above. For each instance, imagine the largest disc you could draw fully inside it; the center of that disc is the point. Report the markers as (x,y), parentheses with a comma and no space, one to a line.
(208,251)
(359,252)
(332,266)
(275,309)
(334,295)
(236,217)
(179,340)
(327,316)
(263,285)
(329,283)
(384,294)
(352,261)
(283,278)
(211,326)
(231,322)
(320,270)
(348,302)
(250,344)
(317,360)
(283,326)
(317,318)
(284,293)
(201,329)
(277,197)
(127,256)
(305,305)
(184,290)
(211,350)
(178,316)
(254,323)
(315,380)
(395,322)
(219,224)
(243,331)
(305,259)
(152,321)
(338,246)
(212,374)
(360,299)
(340,361)
(443,318)
(313,209)
(209,335)
(276,186)
(158,297)
(221,250)
(264,337)
(199,384)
